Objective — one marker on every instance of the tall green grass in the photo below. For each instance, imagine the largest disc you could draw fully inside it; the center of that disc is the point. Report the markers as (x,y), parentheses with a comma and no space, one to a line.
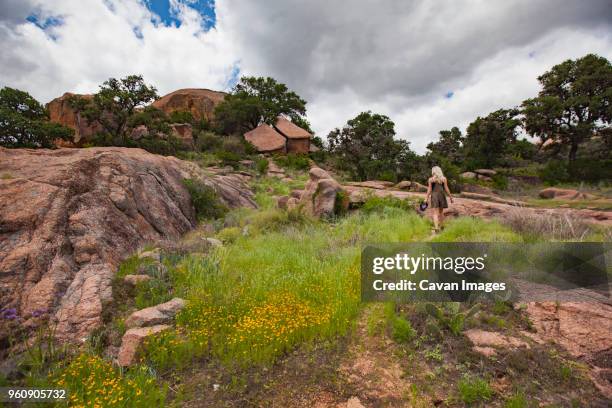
(276,287)
(467,229)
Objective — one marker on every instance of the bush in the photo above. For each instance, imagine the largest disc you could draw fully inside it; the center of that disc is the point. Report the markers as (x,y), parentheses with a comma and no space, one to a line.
(228,158)
(234,145)
(516,401)
(590,170)
(262,165)
(275,220)
(181,117)
(378,204)
(472,390)
(205,200)
(500,182)
(387,175)
(554,172)
(166,147)
(342,203)
(230,234)
(293,161)
(401,330)
(208,141)
(232,150)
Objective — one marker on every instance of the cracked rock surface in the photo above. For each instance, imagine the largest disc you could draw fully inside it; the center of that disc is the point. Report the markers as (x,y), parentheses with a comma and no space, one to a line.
(68,217)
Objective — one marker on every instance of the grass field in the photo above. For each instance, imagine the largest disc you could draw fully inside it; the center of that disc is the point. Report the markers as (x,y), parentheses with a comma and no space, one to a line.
(281,282)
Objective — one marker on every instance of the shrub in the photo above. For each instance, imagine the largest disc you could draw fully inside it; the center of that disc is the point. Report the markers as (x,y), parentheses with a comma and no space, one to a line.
(387,175)
(293,161)
(472,390)
(230,234)
(341,203)
(516,401)
(262,165)
(181,117)
(590,170)
(228,158)
(401,330)
(450,316)
(378,204)
(167,147)
(554,172)
(208,141)
(500,181)
(275,220)
(234,145)
(205,200)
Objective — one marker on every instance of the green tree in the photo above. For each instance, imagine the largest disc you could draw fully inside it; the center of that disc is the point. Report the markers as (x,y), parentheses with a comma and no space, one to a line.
(574,103)
(303,123)
(448,146)
(256,100)
(115,103)
(366,147)
(155,120)
(487,138)
(24,122)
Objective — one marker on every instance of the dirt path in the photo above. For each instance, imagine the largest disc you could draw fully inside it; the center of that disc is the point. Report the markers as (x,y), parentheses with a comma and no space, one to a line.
(372,367)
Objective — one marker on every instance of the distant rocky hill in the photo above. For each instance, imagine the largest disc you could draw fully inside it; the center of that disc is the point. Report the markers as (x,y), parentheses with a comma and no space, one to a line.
(68,217)
(61,112)
(200,103)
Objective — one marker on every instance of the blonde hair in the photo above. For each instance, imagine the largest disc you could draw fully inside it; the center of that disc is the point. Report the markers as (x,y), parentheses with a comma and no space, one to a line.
(437,174)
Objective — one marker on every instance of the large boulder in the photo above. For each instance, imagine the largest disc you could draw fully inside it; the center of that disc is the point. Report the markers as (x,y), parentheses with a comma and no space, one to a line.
(61,112)
(320,193)
(68,217)
(200,103)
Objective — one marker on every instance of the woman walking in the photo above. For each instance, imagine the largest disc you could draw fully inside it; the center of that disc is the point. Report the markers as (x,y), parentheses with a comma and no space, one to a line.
(437,190)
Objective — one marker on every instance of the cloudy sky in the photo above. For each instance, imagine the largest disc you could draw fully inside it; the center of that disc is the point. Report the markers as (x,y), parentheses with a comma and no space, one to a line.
(429,65)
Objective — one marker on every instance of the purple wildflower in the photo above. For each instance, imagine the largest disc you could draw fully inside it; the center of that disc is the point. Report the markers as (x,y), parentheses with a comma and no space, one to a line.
(9,314)
(38,312)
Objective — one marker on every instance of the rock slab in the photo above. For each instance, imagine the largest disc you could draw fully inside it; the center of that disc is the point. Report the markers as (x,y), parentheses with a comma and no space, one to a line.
(320,193)
(564,194)
(68,217)
(154,315)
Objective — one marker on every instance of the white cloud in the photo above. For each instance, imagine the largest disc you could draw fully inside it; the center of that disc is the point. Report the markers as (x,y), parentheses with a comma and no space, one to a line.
(395,57)
(96,41)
